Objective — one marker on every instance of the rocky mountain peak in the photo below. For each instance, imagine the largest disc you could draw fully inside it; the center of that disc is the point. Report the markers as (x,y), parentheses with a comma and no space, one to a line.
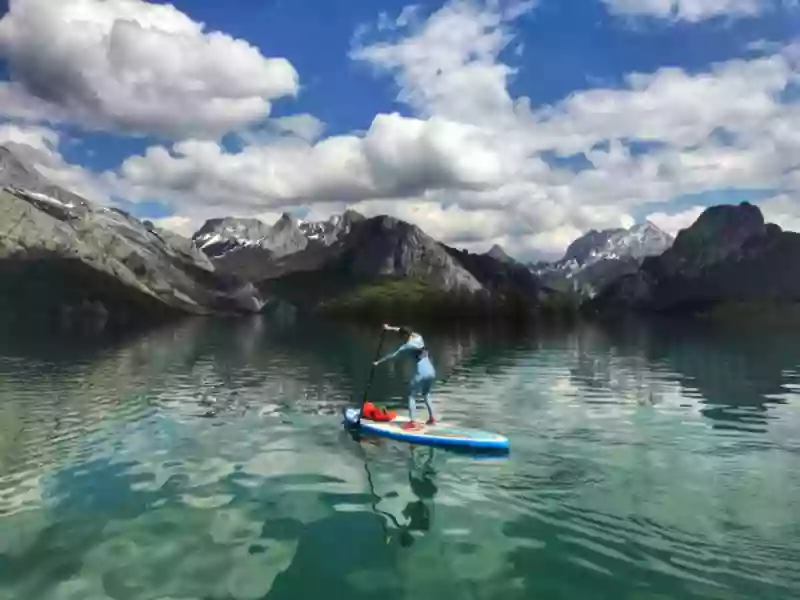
(639,241)
(11,163)
(70,259)
(728,226)
(718,233)
(241,226)
(332,230)
(598,257)
(17,172)
(497,252)
(286,221)
(646,227)
(581,249)
(384,246)
(728,255)
(286,236)
(352,216)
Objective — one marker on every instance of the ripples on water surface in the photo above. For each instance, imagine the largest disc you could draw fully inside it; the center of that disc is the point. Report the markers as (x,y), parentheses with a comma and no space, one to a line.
(207,461)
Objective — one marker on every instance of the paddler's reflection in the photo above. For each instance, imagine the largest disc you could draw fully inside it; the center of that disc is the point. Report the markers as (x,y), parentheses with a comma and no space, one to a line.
(421,476)
(417,514)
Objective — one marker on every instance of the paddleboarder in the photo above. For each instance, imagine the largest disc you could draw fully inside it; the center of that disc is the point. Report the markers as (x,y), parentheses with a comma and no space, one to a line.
(424,373)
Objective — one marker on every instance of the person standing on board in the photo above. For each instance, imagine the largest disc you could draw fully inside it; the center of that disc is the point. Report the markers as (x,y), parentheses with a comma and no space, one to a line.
(424,373)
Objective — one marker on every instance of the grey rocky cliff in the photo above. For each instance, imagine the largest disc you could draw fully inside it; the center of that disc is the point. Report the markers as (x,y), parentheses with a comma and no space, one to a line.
(65,254)
(388,247)
(351,250)
(285,236)
(728,255)
(255,240)
(598,258)
(17,171)
(331,231)
(256,251)
(375,249)
(218,236)
(719,233)
(498,253)
(501,276)
(592,243)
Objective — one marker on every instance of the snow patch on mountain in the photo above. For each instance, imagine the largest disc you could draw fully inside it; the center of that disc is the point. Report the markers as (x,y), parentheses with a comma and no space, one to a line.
(286,236)
(332,230)
(599,256)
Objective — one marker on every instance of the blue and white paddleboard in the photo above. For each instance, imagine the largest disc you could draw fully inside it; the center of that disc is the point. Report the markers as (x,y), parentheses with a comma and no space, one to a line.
(440,434)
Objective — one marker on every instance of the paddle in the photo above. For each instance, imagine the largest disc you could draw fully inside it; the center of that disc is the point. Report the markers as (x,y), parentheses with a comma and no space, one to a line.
(371,374)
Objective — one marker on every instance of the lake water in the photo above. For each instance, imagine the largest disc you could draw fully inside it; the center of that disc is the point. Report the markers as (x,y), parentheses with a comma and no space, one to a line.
(207,460)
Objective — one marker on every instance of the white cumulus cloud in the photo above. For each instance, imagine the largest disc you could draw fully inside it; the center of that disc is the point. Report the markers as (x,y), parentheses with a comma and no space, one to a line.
(673,223)
(469,168)
(447,66)
(40,147)
(398,156)
(692,11)
(136,66)
(304,126)
(40,139)
(472,164)
(783,209)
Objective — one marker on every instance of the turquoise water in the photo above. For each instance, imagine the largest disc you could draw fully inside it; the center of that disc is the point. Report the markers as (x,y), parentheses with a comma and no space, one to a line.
(207,461)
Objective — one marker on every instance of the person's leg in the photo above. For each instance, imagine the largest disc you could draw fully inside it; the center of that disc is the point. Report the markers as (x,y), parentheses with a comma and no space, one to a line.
(413,390)
(426,396)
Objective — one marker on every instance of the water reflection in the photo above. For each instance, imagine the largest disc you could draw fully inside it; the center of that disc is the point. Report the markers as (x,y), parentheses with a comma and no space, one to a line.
(207,460)
(369,567)
(417,513)
(736,376)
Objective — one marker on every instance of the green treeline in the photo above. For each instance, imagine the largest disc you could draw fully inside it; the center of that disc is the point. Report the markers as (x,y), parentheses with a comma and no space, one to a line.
(407,298)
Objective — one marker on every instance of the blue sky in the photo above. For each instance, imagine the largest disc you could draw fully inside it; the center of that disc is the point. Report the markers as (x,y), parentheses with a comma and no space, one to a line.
(368,124)
(569,45)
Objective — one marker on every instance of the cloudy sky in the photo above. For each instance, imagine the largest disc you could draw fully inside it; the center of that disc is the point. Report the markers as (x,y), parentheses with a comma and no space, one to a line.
(522,122)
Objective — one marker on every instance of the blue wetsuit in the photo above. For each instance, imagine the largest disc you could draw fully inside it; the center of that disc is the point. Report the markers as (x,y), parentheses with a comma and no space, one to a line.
(424,373)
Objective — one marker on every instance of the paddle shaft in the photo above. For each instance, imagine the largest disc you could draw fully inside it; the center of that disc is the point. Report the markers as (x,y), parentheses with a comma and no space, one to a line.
(371,374)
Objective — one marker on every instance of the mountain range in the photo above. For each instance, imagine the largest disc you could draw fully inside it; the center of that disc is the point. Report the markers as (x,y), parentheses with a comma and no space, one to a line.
(288,235)
(312,264)
(64,256)
(729,256)
(600,257)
